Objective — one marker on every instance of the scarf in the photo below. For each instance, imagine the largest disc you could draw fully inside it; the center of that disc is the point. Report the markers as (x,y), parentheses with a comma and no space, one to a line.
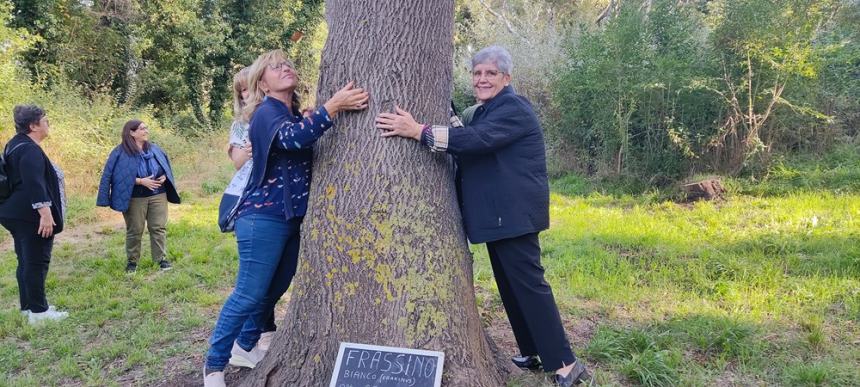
(148,166)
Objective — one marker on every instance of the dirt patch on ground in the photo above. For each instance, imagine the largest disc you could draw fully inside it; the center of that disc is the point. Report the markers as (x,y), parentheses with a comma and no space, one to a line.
(102,221)
(106,222)
(186,371)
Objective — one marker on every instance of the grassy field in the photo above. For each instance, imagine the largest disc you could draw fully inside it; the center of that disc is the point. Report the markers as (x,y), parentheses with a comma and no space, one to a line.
(761,289)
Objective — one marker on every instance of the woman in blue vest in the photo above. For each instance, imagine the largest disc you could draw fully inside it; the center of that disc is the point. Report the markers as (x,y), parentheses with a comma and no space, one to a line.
(269,215)
(504,200)
(137,180)
(33,213)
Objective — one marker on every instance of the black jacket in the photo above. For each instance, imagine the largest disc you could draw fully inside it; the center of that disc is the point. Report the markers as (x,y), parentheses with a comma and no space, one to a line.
(501,160)
(33,180)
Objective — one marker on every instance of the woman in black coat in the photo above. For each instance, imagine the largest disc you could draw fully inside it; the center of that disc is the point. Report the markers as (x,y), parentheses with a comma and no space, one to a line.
(504,199)
(34,211)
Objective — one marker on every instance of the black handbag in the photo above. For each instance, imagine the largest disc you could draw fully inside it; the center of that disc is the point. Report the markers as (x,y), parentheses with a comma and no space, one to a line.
(5,184)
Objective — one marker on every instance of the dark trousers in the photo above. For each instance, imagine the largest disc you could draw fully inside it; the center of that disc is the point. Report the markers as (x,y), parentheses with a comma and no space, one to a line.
(528,300)
(270,325)
(34,256)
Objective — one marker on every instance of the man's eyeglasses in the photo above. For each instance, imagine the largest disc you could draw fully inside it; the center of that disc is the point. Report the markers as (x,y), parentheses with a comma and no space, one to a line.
(280,65)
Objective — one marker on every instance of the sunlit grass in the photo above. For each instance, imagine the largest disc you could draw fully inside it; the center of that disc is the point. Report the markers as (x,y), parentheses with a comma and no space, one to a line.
(758,289)
(119,325)
(761,289)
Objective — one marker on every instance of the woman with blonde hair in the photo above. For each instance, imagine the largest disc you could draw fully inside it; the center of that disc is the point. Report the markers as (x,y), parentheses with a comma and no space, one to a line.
(240,146)
(269,215)
(240,154)
(239,151)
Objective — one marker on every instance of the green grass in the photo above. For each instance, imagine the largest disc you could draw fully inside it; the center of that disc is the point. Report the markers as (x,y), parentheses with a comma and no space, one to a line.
(837,171)
(761,289)
(120,326)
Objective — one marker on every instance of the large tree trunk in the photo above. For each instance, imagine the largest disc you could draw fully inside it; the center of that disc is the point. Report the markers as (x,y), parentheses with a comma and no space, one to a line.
(384,260)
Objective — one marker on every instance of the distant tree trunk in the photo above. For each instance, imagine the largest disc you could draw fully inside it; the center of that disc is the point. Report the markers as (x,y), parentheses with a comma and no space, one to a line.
(706,189)
(220,92)
(383,260)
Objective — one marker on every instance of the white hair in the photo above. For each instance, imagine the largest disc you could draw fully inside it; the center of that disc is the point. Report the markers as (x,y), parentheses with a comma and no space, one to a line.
(496,55)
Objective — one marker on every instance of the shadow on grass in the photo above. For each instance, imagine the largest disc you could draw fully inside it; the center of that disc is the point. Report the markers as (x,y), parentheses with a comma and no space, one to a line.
(835,172)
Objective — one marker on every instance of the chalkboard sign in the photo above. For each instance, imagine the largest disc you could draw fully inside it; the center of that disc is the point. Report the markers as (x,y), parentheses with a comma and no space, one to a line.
(362,365)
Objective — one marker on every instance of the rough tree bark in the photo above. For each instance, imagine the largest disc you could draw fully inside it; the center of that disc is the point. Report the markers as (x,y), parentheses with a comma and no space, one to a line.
(383,258)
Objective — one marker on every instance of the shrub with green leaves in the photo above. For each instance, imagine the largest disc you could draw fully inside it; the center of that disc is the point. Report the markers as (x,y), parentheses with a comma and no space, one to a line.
(671,90)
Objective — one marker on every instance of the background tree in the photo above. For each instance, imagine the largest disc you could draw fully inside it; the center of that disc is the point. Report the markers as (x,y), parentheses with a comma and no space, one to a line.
(84,43)
(177,57)
(654,93)
(384,258)
(280,24)
(662,91)
(765,50)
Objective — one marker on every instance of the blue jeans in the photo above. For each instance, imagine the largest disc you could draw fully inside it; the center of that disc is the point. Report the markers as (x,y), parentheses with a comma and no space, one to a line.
(268,255)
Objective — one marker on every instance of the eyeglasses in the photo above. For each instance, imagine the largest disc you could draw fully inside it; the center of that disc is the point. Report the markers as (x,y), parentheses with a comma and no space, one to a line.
(280,65)
(488,74)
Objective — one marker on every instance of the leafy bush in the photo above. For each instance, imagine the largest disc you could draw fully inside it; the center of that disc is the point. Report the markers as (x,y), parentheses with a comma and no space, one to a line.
(625,95)
(170,56)
(84,126)
(670,90)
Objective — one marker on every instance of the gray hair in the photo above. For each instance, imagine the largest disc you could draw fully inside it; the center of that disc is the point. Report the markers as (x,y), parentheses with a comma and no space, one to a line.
(25,115)
(496,55)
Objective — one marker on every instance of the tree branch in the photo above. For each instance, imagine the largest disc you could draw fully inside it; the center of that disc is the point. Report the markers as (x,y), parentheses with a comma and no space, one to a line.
(505,20)
(606,12)
(646,6)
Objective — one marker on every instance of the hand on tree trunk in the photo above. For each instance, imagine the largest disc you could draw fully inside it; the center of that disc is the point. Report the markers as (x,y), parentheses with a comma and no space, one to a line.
(371,212)
(347,98)
(400,123)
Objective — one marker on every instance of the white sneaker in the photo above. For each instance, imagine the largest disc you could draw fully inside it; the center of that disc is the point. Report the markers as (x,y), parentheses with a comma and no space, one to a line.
(48,315)
(242,358)
(265,341)
(214,379)
(26,312)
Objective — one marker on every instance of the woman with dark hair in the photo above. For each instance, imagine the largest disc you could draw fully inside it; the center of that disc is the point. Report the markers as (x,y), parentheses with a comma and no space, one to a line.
(269,216)
(33,213)
(138,181)
(504,198)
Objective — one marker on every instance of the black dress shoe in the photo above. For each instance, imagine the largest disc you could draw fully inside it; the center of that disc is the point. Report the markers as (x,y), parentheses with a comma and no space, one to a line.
(576,376)
(531,362)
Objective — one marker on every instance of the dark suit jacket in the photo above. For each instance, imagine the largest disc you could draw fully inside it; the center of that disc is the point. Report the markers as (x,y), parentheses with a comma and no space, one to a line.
(501,161)
(33,180)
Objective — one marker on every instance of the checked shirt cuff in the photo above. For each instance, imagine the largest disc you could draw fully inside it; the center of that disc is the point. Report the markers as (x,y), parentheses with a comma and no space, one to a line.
(435,137)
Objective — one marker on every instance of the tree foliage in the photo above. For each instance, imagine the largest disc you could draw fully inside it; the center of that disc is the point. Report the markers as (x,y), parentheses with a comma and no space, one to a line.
(653,89)
(664,91)
(176,56)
